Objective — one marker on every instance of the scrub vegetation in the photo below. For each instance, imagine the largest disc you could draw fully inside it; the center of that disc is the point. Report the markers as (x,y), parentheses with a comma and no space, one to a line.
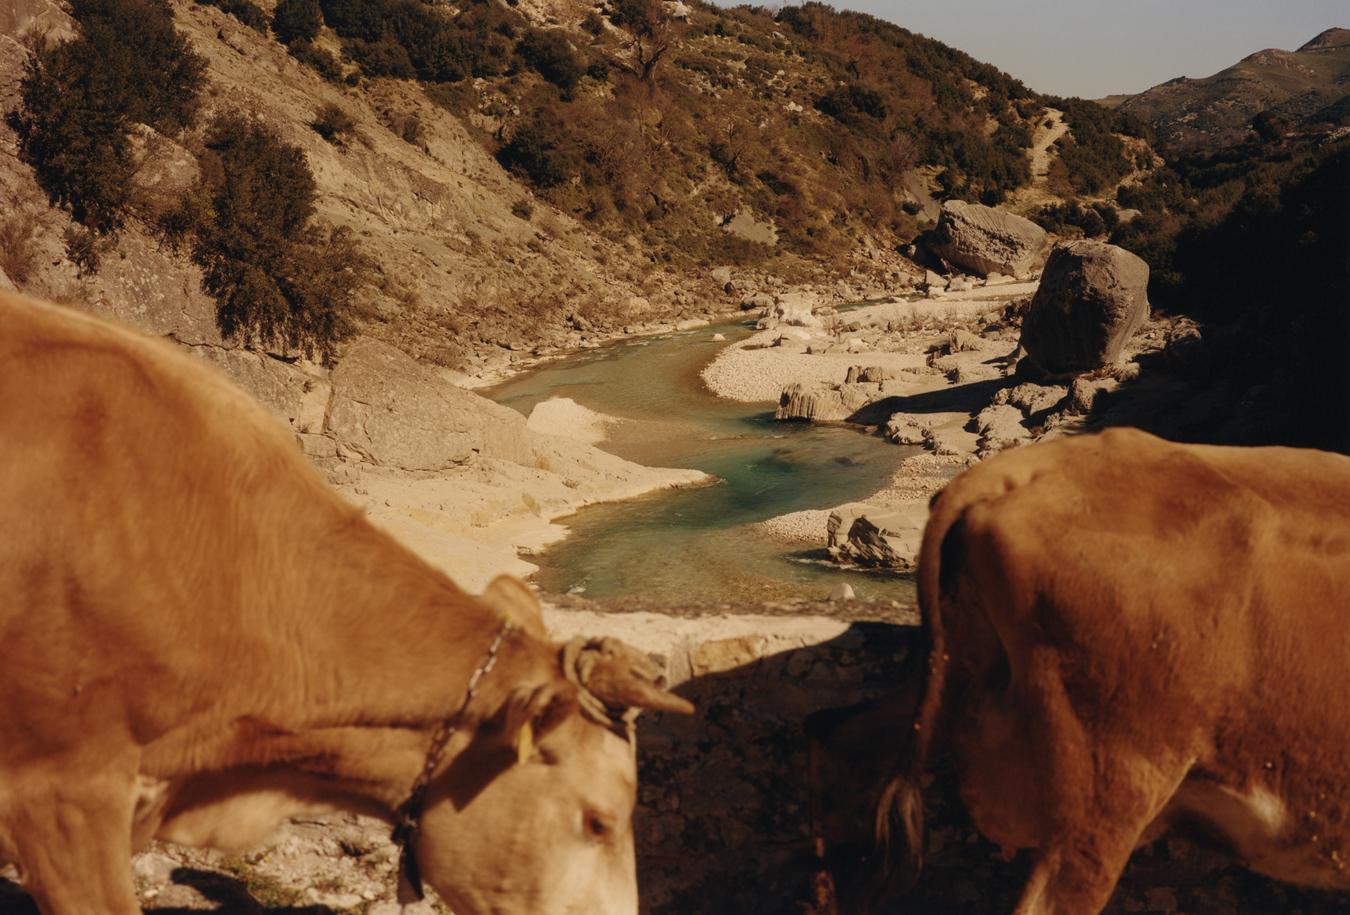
(664,129)
(827,126)
(278,280)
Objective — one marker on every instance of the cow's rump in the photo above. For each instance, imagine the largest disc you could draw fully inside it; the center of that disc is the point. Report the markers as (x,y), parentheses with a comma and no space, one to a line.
(1128,635)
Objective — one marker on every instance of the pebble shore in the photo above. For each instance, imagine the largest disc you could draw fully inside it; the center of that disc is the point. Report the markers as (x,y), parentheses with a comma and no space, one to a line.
(751,371)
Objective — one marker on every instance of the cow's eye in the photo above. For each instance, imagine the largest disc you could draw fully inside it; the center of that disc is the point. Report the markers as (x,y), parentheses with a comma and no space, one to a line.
(598,825)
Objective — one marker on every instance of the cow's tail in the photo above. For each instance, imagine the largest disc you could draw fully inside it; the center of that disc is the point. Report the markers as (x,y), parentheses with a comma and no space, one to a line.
(899,818)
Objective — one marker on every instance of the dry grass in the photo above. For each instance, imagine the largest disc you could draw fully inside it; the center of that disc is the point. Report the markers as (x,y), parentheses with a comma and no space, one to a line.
(18,255)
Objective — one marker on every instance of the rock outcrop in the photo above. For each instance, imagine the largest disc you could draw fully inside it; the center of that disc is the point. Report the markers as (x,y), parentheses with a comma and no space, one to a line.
(984,240)
(1092,298)
(819,402)
(880,537)
(907,429)
(1000,426)
(396,413)
(793,309)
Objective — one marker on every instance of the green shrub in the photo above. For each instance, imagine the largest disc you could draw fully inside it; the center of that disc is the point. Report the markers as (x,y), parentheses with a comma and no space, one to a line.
(406,125)
(418,39)
(297,20)
(84,248)
(641,17)
(333,124)
(849,102)
(542,151)
(1092,221)
(127,65)
(552,57)
(1270,127)
(18,256)
(246,11)
(276,279)
(380,58)
(317,58)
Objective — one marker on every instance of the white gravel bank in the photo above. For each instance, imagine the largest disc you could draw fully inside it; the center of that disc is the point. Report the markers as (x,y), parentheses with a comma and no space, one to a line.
(564,416)
(806,526)
(755,375)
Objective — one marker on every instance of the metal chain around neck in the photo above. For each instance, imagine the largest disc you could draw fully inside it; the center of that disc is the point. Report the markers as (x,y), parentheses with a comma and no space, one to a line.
(409,812)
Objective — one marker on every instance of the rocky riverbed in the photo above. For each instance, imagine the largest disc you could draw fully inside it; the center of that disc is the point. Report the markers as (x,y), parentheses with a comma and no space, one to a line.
(925,355)
(951,373)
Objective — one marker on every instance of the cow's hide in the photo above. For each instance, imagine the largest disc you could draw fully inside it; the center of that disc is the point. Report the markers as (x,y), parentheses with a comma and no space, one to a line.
(1127,636)
(198,637)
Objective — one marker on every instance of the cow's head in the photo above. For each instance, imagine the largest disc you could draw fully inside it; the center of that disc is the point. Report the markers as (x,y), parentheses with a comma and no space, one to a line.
(535,815)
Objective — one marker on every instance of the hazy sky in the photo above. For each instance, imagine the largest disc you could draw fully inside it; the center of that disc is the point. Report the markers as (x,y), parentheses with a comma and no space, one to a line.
(1094,48)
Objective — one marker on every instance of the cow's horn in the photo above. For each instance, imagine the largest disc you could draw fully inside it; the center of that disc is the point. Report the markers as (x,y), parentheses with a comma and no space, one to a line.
(619,676)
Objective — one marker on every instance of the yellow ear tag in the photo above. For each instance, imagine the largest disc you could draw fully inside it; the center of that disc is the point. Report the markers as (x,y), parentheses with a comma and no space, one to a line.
(525,743)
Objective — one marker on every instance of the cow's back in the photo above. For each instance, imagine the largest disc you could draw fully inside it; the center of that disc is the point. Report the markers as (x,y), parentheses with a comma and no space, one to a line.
(1128,633)
(1214,565)
(145,500)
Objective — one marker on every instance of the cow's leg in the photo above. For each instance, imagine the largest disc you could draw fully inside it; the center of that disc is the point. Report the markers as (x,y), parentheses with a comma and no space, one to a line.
(74,845)
(1102,795)
(1038,771)
(1075,876)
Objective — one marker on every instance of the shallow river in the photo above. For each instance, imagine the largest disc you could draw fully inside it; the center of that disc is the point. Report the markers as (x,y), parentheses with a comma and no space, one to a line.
(692,544)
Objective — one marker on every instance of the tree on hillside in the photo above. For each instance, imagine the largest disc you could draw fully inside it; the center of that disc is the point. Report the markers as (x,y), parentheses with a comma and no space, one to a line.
(653,34)
(1270,127)
(128,65)
(277,280)
(552,57)
(297,20)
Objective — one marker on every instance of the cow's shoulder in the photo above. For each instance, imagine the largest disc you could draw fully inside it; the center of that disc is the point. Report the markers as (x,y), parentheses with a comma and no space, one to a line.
(71,375)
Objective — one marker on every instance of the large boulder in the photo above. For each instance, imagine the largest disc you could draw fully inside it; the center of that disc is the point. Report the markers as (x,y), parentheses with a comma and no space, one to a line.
(871,536)
(1000,426)
(793,309)
(396,413)
(907,429)
(984,240)
(818,401)
(757,300)
(1092,298)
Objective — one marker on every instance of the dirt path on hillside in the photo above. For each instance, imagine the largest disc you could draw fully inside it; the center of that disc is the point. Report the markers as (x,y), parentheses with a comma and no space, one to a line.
(1047,133)
(1042,140)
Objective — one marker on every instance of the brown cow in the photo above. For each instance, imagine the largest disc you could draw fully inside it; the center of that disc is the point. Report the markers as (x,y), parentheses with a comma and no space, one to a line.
(1128,635)
(198,638)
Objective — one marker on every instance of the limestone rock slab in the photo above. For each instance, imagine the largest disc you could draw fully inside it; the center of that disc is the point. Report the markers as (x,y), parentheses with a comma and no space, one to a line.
(872,536)
(396,413)
(985,240)
(819,402)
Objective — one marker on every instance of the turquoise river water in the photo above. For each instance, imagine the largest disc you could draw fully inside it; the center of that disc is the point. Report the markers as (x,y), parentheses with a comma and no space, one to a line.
(693,544)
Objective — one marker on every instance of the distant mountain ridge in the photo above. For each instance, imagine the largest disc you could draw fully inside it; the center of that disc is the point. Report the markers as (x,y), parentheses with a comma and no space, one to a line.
(1306,87)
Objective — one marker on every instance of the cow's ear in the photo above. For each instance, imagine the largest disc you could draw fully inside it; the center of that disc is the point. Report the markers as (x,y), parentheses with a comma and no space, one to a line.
(530,715)
(512,599)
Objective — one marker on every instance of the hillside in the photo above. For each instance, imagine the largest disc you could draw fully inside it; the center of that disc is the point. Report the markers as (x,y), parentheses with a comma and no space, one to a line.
(1306,87)
(544,174)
